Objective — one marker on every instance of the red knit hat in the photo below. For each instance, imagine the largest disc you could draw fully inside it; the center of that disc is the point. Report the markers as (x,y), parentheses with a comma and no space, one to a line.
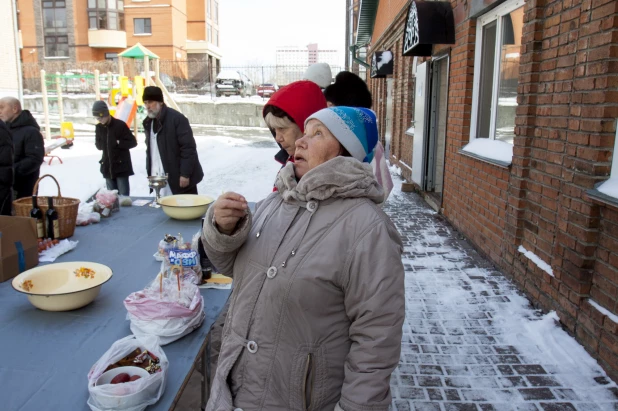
(299,99)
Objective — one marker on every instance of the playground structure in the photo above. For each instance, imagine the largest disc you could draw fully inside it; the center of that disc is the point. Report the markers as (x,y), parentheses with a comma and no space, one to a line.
(123,97)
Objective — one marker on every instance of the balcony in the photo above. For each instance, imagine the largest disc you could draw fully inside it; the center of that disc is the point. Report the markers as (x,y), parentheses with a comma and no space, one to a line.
(107,39)
(202,46)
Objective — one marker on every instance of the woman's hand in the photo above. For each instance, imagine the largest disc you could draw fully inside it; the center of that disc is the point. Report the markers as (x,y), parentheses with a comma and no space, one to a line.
(228,210)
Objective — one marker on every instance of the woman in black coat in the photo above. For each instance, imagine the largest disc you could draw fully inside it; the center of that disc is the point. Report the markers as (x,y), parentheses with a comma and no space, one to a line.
(6,169)
(115,139)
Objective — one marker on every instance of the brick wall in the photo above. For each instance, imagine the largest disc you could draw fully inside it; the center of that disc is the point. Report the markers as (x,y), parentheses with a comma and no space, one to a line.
(401,144)
(387,13)
(565,131)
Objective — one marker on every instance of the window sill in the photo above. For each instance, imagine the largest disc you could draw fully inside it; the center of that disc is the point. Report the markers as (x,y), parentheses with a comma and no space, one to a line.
(142,35)
(492,161)
(57,58)
(494,152)
(601,198)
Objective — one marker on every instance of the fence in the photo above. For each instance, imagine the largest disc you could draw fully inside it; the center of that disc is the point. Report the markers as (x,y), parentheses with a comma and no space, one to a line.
(179,76)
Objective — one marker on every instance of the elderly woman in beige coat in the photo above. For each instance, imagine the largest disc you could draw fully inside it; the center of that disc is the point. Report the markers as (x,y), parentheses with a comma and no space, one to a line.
(318,303)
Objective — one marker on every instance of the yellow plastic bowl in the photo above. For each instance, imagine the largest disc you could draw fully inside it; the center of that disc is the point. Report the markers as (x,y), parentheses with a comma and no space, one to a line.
(186,206)
(55,287)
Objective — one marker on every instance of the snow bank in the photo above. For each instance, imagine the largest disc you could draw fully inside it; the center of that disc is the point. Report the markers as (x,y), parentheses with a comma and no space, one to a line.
(536,260)
(604,311)
(492,149)
(610,187)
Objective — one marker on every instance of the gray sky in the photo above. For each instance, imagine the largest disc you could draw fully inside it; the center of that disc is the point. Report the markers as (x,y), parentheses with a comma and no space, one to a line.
(251,30)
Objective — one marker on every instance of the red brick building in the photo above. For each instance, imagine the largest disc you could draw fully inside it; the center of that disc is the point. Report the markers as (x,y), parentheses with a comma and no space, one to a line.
(510,132)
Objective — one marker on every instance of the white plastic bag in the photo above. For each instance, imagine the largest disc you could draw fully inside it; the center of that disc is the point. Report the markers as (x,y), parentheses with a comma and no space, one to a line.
(168,330)
(50,255)
(130,396)
(165,312)
(381,171)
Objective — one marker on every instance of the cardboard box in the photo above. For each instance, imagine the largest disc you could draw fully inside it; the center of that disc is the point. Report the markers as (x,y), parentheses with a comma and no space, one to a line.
(18,246)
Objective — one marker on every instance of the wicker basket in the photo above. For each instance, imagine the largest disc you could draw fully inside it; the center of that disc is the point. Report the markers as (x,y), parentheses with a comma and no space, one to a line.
(65,207)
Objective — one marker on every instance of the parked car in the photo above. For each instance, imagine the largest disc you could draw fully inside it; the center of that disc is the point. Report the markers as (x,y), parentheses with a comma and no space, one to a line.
(232,82)
(267,89)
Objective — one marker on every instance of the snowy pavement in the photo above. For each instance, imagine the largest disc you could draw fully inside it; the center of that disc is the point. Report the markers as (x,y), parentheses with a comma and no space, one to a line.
(471,341)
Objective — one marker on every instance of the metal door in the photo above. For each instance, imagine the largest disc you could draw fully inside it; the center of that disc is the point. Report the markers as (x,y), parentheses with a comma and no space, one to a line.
(419,147)
(389,117)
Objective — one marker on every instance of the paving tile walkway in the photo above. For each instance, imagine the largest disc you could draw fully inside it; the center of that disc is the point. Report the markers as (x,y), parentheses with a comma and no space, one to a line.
(471,341)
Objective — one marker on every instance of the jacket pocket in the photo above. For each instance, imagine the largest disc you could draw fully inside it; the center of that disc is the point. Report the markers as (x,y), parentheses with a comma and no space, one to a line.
(307,390)
(308,379)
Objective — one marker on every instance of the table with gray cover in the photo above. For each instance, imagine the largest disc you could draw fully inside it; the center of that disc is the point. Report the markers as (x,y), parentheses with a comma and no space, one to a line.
(45,356)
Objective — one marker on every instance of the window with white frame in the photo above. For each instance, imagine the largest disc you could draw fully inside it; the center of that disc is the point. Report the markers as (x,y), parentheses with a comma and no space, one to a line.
(142,26)
(496,72)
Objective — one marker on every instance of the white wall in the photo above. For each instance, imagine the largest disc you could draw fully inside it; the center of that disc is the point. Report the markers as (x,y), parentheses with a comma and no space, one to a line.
(9,74)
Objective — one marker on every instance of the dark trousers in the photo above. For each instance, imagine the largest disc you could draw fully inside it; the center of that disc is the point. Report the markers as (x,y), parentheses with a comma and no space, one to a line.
(119,183)
(6,201)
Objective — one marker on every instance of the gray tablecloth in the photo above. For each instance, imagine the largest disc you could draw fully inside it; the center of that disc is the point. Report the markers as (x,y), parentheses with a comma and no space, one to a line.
(45,356)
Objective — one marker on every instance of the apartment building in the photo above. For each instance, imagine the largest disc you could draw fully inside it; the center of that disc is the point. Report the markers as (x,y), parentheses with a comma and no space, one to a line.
(92,30)
(292,61)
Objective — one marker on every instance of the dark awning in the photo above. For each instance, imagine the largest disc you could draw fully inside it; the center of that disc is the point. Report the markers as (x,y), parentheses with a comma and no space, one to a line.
(381,64)
(366,21)
(429,23)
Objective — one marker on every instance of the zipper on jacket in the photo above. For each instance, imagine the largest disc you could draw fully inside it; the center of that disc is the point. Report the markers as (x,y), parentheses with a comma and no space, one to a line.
(109,156)
(308,382)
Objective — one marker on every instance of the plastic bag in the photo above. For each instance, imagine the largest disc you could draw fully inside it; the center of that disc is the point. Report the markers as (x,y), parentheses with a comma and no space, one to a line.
(184,260)
(87,218)
(168,330)
(130,396)
(125,201)
(169,308)
(106,198)
(106,202)
(381,171)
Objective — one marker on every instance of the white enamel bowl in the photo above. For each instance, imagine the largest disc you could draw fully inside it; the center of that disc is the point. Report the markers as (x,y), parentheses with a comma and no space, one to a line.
(186,206)
(55,287)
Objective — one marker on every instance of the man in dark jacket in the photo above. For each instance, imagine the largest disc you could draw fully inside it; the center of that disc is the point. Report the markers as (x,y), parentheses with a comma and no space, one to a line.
(28,145)
(170,146)
(6,169)
(115,139)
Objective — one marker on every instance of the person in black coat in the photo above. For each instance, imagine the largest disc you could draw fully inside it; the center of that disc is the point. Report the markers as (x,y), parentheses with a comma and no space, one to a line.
(6,169)
(114,138)
(28,145)
(170,146)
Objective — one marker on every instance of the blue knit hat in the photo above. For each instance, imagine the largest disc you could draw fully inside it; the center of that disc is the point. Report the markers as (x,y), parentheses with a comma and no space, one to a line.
(355,129)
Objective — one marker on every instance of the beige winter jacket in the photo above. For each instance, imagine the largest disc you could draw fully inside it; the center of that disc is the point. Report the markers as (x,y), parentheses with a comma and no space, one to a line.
(318,302)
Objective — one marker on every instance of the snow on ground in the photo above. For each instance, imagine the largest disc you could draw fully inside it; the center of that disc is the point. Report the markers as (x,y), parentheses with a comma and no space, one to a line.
(233,159)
